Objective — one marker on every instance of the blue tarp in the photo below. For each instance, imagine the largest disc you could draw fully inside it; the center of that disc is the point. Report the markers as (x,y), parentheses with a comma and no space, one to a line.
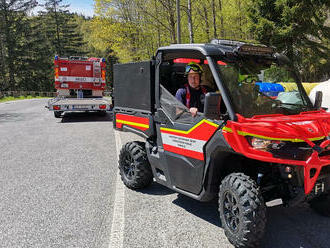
(270,89)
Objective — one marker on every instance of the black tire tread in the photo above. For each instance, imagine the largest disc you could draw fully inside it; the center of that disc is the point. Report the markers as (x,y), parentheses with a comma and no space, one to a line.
(321,205)
(102,113)
(143,173)
(253,214)
(58,114)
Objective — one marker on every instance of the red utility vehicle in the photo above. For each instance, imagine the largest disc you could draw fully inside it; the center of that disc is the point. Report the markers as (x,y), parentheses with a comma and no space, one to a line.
(80,83)
(248,149)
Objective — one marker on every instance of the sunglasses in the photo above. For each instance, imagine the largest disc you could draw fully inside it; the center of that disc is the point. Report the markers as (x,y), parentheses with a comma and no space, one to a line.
(194,68)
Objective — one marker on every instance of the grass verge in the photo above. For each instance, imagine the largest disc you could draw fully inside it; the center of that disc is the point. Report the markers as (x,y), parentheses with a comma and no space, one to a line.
(11,98)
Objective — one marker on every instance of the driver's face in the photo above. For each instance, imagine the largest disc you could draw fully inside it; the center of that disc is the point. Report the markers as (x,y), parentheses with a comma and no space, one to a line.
(194,80)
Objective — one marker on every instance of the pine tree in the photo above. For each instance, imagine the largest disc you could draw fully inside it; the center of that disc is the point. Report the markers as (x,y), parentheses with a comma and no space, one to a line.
(295,27)
(61,29)
(13,20)
(39,58)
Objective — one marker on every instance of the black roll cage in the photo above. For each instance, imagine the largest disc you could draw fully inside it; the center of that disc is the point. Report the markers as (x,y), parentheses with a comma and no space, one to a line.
(213,67)
(210,52)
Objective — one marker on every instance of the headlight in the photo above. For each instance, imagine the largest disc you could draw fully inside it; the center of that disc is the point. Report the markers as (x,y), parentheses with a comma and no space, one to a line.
(264,145)
(260,144)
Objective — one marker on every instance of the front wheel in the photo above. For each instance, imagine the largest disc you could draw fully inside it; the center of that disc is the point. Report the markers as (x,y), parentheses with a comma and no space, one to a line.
(321,205)
(134,167)
(242,210)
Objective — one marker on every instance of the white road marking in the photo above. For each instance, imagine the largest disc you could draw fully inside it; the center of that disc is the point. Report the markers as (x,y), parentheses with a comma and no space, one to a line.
(118,218)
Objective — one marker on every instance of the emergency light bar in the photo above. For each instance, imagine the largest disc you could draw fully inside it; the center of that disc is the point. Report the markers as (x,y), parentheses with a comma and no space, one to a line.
(258,50)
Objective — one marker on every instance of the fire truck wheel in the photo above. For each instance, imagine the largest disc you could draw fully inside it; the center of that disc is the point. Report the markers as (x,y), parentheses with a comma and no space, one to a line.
(242,210)
(134,168)
(321,204)
(58,114)
(102,113)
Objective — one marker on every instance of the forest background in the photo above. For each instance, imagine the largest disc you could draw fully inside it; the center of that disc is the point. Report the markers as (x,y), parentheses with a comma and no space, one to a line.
(132,30)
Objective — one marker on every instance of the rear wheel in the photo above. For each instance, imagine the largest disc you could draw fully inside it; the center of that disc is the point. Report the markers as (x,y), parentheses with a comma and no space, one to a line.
(58,114)
(102,113)
(242,210)
(134,168)
(321,204)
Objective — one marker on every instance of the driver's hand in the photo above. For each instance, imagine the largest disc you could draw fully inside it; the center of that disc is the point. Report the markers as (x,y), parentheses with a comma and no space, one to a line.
(193,111)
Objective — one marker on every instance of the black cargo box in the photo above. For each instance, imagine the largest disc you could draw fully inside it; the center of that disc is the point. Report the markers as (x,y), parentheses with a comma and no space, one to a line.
(134,86)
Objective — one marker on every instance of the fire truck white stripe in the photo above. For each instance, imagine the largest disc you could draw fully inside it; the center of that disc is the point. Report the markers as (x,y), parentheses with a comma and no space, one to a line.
(118,217)
(195,145)
(79,79)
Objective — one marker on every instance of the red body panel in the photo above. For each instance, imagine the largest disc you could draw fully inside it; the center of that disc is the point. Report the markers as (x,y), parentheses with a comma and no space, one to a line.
(305,127)
(77,74)
(187,60)
(140,123)
(189,143)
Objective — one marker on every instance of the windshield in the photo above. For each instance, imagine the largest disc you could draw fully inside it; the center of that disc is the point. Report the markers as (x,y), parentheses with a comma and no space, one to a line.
(261,87)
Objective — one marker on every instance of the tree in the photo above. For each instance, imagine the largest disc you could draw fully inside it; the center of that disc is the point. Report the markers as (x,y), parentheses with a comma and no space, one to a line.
(190,23)
(61,29)
(96,47)
(295,27)
(38,59)
(13,20)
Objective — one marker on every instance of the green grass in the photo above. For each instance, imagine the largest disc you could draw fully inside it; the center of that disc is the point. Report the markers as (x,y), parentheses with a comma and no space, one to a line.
(11,98)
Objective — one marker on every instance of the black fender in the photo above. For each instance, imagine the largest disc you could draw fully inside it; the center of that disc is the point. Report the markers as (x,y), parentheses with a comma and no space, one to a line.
(217,151)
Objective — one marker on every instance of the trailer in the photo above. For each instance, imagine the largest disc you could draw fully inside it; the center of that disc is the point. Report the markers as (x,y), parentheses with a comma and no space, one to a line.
(80,83)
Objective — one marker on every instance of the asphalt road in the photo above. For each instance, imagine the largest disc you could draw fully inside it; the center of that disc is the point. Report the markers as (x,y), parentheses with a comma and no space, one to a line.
(59,188)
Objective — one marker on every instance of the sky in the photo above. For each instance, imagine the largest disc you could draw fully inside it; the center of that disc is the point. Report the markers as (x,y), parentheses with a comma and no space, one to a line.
(85,7)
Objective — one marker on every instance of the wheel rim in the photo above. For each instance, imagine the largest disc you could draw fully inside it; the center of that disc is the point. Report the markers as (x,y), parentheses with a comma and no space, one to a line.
(129,167)
(231,211)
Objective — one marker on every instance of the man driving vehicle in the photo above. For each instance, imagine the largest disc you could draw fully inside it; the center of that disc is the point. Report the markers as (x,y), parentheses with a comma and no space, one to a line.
(190,95)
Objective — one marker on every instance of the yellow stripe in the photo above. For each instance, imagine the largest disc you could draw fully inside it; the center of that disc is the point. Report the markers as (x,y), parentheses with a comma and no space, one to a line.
(133,123)
(191,129)
(270,138)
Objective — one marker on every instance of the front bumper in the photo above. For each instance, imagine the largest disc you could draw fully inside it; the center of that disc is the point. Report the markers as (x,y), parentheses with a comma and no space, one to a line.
(312,165)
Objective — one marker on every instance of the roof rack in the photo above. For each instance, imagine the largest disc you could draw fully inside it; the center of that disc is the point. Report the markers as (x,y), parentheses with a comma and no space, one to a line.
(245,48)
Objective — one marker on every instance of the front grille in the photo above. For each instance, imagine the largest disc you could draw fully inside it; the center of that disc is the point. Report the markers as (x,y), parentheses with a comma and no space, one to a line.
(292,150)
(296,150)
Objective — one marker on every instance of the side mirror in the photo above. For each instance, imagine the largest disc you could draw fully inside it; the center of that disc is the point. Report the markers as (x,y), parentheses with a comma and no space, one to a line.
(212,106)
(318,99)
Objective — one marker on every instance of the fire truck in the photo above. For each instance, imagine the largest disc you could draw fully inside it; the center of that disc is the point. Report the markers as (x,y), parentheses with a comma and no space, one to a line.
(80,84)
